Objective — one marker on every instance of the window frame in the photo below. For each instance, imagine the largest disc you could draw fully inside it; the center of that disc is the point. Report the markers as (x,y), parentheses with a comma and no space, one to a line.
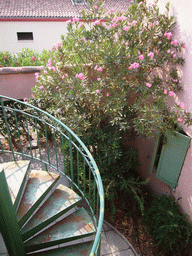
(25,36)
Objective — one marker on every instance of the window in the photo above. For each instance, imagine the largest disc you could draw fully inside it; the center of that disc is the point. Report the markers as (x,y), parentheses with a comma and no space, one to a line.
(79,2)
(22,36)
(169,155)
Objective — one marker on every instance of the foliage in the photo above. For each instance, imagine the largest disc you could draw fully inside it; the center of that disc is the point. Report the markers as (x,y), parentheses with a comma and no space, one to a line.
(13,124)
(168,226)
(121,71)
(26,57)
(113,73)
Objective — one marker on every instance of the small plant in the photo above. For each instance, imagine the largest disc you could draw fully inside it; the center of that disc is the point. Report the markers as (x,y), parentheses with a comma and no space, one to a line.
(168,226)
(26,57)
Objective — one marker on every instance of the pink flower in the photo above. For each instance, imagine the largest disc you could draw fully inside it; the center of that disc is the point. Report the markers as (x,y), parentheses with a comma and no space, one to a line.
(168,35)
(98,78)
(148,85)
(54,47)
(52,68)
(181,105)
(97,22)
(49,63)
(25,99)
(141,57)
(126,28)
(84,39)
(175,42)
(107,95)
(41,87)
(174,55)
(134,23)
(134,65)
(126,43)
(69,21)
(123,18)
(96,7)
(171,93)
(168,51)
(180,120)
(75,19)
(45,72)
(97,91)
(114,24)
(165,91)
(37,75)
(33,59)
(151,55)
(183,46)
(99,69)
(175,80)
(80,76)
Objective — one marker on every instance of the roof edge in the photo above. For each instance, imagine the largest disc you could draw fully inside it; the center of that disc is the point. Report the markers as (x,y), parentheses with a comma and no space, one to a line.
(36,19)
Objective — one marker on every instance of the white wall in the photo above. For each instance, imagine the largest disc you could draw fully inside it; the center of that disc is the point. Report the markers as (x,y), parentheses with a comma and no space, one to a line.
(45,34)
(181,10)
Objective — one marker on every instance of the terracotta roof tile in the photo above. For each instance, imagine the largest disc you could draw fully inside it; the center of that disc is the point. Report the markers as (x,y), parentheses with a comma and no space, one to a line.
(52,8)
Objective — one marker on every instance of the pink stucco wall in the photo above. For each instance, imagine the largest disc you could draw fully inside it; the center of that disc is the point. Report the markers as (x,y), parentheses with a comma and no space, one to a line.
(183,33)
(17,82)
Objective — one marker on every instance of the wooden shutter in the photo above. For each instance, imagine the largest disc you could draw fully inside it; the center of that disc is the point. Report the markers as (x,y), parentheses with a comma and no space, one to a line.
(172,157)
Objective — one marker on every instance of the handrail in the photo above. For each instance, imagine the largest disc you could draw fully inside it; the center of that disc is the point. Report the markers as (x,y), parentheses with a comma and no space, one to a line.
(18,118)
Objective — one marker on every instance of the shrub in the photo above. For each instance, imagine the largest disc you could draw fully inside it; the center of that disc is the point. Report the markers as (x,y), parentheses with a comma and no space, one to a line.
(26,57)
(112,74)
(168,226)
(119,72)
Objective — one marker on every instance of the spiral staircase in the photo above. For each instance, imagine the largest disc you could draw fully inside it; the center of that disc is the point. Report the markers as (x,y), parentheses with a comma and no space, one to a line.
(51,194)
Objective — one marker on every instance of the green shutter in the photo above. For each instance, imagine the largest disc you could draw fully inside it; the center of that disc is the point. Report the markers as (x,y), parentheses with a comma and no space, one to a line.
(172,157)
(155,151)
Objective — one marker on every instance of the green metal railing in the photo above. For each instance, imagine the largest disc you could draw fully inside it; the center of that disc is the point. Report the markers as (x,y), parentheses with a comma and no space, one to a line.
(57,148)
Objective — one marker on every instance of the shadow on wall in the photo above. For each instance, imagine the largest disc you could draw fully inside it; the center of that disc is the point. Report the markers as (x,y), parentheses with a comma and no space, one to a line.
(145,149)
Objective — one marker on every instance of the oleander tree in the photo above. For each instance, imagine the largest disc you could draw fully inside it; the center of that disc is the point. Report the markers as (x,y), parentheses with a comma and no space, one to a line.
(113,74)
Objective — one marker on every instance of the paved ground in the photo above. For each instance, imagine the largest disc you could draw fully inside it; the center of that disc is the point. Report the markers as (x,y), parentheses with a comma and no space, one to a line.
(112,243)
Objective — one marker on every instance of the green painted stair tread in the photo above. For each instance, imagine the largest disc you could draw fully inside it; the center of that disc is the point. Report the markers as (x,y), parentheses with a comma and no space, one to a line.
(60,201)
(15,173)
(38,186)
(76,226)
(83,249)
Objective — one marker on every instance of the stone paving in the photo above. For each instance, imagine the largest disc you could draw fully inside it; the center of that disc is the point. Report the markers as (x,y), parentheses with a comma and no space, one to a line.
(113,243)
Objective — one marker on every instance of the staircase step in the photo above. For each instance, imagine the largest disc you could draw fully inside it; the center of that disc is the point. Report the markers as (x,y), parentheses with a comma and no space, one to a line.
(76,226)
(39,185)
(83,249)
(60,201)
(16,174)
